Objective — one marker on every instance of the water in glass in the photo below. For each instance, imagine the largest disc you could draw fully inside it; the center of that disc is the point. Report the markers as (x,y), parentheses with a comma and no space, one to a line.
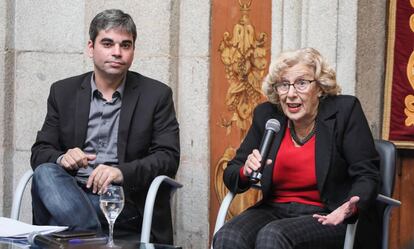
(112,203)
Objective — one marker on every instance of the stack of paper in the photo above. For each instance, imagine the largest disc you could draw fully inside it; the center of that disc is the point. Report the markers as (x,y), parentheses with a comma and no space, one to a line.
(14,229)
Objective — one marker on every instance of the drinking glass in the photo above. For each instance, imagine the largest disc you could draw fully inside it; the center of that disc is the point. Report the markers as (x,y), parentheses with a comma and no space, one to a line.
(112,203)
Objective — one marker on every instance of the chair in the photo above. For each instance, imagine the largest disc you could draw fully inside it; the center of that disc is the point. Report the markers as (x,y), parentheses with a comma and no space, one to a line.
(387,153)
(148,209)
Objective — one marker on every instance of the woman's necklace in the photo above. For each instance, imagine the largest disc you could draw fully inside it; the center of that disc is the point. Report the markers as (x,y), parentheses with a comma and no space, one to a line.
(296,138)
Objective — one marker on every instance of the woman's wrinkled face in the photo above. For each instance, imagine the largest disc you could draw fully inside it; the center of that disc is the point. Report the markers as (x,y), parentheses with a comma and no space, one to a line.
(300,106)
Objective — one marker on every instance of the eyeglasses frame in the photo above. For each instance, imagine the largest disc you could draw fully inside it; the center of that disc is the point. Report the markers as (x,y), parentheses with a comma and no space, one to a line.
(293,84)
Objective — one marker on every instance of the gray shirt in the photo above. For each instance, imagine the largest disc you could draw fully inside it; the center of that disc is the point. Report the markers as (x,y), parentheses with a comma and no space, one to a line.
(102,133)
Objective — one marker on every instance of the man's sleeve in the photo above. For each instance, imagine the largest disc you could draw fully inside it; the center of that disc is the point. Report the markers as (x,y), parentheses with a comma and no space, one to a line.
(47,141)
(164,152)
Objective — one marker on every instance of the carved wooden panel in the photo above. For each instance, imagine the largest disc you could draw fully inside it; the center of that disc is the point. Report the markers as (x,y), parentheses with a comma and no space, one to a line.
(240,54)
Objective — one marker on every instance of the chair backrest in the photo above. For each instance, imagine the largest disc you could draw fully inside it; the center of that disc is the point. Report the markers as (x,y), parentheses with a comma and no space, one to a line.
(387,153)
(388,157)
(18,194)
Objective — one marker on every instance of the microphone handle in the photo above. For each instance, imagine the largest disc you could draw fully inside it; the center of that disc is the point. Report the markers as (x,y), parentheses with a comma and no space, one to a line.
(264,151)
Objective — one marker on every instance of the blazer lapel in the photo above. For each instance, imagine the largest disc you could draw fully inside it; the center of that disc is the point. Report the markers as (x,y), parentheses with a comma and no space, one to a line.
(129,101)
(83,103)
(325,140)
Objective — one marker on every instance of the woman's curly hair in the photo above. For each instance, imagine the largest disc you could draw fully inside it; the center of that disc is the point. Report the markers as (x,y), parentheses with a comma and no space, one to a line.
(324,74)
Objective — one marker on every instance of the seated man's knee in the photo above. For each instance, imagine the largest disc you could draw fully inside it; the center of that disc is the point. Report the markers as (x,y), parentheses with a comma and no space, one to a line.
(46,171)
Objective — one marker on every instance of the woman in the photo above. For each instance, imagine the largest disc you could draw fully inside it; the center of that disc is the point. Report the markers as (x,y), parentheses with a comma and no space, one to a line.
(322,170)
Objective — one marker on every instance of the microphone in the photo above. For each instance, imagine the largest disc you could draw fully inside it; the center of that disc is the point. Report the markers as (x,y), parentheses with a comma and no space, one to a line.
(37,239)
(272,127)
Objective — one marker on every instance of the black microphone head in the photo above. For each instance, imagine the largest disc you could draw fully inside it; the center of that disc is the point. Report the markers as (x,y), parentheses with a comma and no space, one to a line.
(273,124)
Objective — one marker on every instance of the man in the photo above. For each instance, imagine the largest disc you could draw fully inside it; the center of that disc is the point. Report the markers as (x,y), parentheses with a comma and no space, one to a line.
(109,126)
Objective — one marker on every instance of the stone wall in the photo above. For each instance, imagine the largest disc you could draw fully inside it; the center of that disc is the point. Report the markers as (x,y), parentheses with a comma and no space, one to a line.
(43,41)
(350,34)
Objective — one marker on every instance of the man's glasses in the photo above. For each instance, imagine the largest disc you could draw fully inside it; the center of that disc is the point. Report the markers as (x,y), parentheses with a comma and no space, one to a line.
(300,86)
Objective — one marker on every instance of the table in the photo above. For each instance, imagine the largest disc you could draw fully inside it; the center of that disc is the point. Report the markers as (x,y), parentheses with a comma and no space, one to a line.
(121,244)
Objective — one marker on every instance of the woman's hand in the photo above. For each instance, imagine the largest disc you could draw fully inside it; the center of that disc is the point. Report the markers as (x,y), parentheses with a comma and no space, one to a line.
(340,214)
(253,163)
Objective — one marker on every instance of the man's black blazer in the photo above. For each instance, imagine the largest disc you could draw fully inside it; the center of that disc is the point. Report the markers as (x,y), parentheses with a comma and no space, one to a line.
(347,163)
(148,137)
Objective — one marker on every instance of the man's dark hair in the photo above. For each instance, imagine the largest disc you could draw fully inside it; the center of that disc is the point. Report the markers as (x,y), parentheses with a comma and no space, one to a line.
(112,18)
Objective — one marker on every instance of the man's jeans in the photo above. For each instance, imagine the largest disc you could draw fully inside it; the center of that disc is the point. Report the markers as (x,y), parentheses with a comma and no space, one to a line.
(58,199)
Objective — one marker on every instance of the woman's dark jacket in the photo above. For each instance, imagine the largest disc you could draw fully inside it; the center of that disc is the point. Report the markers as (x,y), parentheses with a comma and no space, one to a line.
(347,163)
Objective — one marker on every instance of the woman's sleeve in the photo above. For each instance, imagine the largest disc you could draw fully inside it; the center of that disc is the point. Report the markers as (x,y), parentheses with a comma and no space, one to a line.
(359,151)
(252,140)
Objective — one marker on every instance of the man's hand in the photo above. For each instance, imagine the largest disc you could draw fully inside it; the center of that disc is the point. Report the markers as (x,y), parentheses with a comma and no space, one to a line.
(102,176)
(339,214)
(75,158)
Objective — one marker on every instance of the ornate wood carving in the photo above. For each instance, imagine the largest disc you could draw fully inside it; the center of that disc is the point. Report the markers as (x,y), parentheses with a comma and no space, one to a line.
(243,54)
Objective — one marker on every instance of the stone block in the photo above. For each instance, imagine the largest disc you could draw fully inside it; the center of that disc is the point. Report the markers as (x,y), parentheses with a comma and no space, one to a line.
(152,19)
(277,28)
(291,31)
(3,25)
(193,116)
(194,98)
(35,72)
(51,25)
(322,29)
(6,134)
(163,69)
(370,56)
(299,24)
(195,28)
(346,50)
(3,191)
(2,83)
(6,155)
(7,63)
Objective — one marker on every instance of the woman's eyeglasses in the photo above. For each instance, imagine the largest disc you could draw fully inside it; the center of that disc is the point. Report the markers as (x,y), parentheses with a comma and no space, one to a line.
(300,86)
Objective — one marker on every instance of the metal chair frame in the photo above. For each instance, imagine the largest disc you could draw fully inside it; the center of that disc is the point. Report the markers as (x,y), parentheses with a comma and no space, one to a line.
(148,209)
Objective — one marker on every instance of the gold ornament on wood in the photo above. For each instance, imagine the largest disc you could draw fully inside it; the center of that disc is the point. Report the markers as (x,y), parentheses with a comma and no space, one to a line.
(243,54)
(409,99)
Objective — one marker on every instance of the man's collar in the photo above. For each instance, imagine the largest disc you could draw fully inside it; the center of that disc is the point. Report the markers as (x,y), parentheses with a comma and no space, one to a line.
(120,88)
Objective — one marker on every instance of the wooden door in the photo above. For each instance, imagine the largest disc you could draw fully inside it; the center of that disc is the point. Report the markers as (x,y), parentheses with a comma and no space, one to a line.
(402,218)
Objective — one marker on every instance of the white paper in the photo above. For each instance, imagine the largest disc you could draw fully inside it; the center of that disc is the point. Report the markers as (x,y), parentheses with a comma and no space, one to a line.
(10,228)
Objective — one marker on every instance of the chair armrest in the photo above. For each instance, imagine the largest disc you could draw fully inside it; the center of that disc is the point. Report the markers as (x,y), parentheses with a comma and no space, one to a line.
(390,204)
(18,194)
(224,207)
(222,213)
(149,203)
(351,228)
(350,235)
(388,200)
